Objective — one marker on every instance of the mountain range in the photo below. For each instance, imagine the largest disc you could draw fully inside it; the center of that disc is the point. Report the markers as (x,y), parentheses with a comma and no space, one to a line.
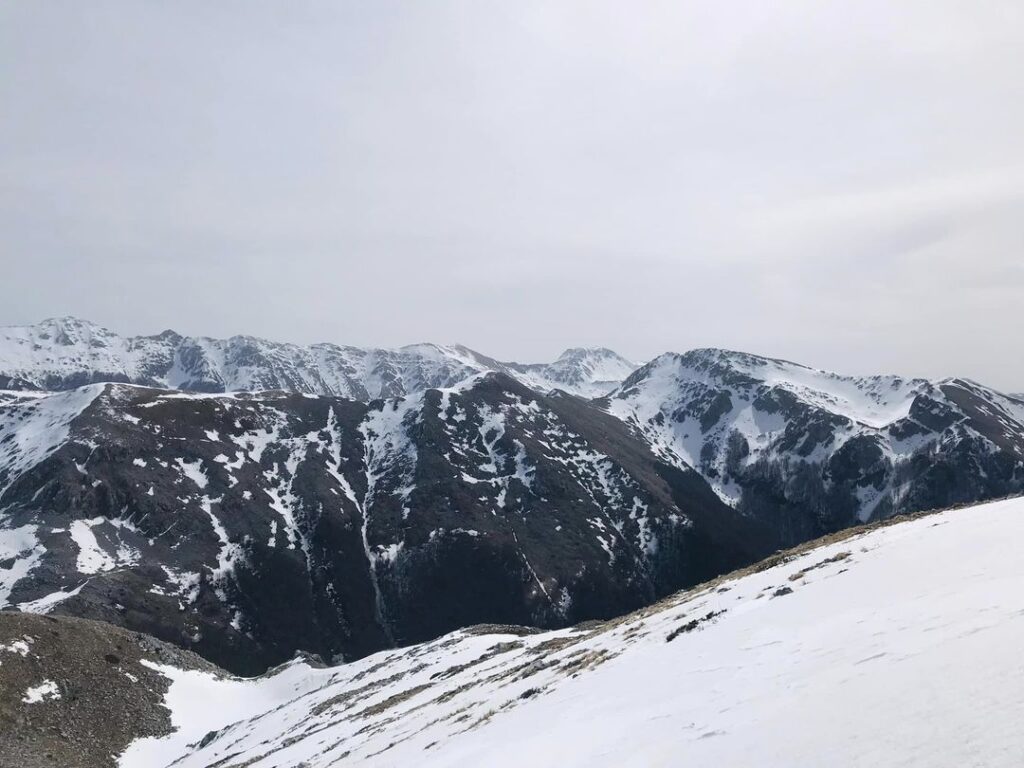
(66,352)
(248,500)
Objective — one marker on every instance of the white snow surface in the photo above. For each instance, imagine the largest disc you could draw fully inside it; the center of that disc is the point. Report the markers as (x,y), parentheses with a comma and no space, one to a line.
(42,692)
(896,646)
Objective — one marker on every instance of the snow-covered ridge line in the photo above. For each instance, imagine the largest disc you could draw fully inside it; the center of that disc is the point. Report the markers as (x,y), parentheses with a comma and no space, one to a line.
(871,400)
(834,444)
(846,653)
(61,353)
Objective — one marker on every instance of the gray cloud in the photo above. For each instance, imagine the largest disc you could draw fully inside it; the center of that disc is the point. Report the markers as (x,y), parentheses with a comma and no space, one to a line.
(835,183)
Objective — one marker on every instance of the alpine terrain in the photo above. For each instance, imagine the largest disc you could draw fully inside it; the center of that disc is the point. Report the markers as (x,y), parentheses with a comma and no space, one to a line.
(247,500)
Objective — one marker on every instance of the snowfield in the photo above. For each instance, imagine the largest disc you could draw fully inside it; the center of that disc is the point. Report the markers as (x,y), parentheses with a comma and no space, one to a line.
(898,645)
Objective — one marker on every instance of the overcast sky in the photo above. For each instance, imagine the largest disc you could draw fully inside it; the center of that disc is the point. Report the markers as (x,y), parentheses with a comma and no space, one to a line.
(840,184)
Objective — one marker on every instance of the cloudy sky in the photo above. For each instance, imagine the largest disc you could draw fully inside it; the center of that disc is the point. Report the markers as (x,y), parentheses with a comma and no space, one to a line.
(839,183)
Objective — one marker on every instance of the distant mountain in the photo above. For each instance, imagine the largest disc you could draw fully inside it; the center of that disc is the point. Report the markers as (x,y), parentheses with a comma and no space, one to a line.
(807,451)
(63,353)
(588,372)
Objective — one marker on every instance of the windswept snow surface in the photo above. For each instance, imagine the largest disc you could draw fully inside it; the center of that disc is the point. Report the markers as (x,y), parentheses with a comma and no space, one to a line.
(898,646)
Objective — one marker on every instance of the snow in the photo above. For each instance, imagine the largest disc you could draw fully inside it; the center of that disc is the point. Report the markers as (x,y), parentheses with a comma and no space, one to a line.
(48,602)
(21,547)
(187,583)
(42,692)
(873,401)
(193,470)
(61,346)
(389,449)
(199,702)
(20,647)
(229,552)
(898,646)
(490,432)
(92,557)
(389,452)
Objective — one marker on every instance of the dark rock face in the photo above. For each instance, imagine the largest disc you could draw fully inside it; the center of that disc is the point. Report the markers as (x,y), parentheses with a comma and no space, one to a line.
(807,452)
(246,527)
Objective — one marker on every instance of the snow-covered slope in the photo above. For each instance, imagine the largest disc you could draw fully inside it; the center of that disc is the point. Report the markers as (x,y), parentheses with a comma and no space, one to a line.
(812,450)
(61,353)
(895,646)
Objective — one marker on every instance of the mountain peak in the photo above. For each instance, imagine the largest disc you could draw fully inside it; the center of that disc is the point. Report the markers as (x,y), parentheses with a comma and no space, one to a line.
(69,323)
(577,353)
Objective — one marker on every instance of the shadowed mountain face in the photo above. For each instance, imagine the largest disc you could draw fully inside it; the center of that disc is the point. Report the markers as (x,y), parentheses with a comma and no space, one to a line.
(807,452)
(246,527)
(64,353)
